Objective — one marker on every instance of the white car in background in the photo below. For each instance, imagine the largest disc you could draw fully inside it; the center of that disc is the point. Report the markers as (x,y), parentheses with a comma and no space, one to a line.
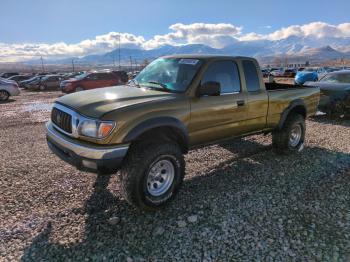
(277,72)
(8,88)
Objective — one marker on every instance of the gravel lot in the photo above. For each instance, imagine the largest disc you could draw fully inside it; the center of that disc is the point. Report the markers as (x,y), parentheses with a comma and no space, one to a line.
(240,200)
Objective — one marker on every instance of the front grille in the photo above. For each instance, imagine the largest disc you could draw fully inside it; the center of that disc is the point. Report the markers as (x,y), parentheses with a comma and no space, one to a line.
(62,119)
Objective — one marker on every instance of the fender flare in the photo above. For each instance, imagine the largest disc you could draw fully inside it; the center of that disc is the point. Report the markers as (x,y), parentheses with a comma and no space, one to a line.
(286,112)
(158,122)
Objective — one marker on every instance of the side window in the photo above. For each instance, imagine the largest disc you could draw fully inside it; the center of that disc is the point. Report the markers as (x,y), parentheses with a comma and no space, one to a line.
(104,76)
(226,73)
(251,76)
(92,77)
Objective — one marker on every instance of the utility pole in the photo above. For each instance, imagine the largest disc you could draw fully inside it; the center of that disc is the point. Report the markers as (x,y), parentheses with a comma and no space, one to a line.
(119,51)
(130,64)
(73,64)
(114,60)
(42,64)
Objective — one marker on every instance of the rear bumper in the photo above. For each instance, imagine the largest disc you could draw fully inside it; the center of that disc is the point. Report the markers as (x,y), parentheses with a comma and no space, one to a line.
(84,156)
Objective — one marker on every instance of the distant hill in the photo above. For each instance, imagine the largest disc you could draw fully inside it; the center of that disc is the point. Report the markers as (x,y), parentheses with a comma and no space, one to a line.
(295,48)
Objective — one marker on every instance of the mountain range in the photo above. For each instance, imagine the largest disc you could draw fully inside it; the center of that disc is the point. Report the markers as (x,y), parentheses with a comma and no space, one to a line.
(295,49)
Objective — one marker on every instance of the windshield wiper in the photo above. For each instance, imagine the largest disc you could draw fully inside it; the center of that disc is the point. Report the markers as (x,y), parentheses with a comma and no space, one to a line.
(164,86)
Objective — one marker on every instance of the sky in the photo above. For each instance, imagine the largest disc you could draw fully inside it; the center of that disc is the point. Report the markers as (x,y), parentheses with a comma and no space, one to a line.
(56,27)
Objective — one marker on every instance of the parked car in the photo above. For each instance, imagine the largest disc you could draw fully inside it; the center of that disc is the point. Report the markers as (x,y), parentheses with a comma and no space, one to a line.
(34,81)
(122,75)
(173,105)
(277,72)
(308,74)
(47,82)
(289,73)
(265,72)
(7,75)
(19,78)
(335,92)
(8,88)
(90,81)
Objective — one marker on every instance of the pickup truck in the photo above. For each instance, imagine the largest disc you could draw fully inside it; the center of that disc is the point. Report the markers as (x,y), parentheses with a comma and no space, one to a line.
(177,103)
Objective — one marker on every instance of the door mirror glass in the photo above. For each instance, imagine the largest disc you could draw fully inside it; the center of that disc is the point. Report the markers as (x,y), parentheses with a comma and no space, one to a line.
(210,88)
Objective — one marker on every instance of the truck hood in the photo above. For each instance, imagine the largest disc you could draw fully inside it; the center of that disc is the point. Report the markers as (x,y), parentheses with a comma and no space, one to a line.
(97,102)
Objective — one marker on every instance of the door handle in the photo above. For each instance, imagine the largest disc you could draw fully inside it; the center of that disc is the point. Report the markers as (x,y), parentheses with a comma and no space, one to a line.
(240,103)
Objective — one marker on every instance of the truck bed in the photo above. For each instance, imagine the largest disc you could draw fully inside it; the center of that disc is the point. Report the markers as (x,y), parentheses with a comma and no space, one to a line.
(279,86)
(281,95)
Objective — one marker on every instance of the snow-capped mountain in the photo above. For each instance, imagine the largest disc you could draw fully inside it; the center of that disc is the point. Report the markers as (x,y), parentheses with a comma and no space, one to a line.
(302,48)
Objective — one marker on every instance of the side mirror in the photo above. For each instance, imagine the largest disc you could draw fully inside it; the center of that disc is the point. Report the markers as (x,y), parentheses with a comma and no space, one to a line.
(210,88)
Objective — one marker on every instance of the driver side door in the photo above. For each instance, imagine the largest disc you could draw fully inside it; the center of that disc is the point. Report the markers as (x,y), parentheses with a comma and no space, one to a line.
(219,117)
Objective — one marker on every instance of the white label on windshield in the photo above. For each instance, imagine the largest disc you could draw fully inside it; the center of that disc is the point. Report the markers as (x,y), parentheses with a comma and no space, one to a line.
(188,61)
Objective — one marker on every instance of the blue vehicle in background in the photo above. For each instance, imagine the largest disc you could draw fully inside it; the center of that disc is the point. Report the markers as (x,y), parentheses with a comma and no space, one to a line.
(308,74)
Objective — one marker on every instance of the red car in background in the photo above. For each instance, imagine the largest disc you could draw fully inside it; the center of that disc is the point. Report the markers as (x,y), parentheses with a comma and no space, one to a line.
(91,80)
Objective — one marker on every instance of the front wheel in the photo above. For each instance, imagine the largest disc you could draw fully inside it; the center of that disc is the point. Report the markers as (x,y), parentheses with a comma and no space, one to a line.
(4,95)
(42,87)
(290,138)
(151,175)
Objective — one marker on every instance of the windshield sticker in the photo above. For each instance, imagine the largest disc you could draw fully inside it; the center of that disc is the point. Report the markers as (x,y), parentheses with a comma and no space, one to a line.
(188,61)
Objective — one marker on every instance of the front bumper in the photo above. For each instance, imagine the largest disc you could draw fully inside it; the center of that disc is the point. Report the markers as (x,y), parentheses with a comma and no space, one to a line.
(68,88)
(85,156)
(14,91)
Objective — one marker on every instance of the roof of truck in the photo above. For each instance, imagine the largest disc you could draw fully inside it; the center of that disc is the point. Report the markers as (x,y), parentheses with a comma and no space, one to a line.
(204,56)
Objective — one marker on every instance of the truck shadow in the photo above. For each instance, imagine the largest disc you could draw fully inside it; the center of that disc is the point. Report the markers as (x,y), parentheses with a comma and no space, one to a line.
(254,174)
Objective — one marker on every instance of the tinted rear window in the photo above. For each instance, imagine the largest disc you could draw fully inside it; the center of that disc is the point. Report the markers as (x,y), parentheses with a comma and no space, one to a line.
(251,76)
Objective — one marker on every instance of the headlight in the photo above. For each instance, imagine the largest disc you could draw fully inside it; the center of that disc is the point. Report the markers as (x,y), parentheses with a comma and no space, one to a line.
(95,128)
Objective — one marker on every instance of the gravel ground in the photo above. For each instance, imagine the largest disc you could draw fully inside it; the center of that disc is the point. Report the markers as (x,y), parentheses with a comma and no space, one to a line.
(239,201)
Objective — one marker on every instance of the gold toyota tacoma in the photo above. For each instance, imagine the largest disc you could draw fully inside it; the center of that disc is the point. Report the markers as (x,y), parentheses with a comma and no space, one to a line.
(176,103)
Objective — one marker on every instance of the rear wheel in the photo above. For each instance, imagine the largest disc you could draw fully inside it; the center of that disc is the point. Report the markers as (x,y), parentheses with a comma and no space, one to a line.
(4,95)
(152,174)
(42,87)
(290,138)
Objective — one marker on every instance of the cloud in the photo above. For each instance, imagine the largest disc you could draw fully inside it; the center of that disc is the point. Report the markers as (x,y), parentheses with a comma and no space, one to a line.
(100,44)
(214,35)
(315,29)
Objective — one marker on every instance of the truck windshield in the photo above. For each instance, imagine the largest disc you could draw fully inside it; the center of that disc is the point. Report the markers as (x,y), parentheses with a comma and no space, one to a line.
(169,74)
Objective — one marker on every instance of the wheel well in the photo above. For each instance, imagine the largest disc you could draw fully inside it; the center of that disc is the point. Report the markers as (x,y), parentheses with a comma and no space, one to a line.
(4,90)
(298,110)
(165,133)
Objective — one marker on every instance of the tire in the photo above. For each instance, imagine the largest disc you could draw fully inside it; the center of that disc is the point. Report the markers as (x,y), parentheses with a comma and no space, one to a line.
(4,95)
(42,87)
(137,184)
(290,138)
(79,89)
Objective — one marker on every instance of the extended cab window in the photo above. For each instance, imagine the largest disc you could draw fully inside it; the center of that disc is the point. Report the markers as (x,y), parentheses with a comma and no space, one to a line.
(225,73)
(251,76)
